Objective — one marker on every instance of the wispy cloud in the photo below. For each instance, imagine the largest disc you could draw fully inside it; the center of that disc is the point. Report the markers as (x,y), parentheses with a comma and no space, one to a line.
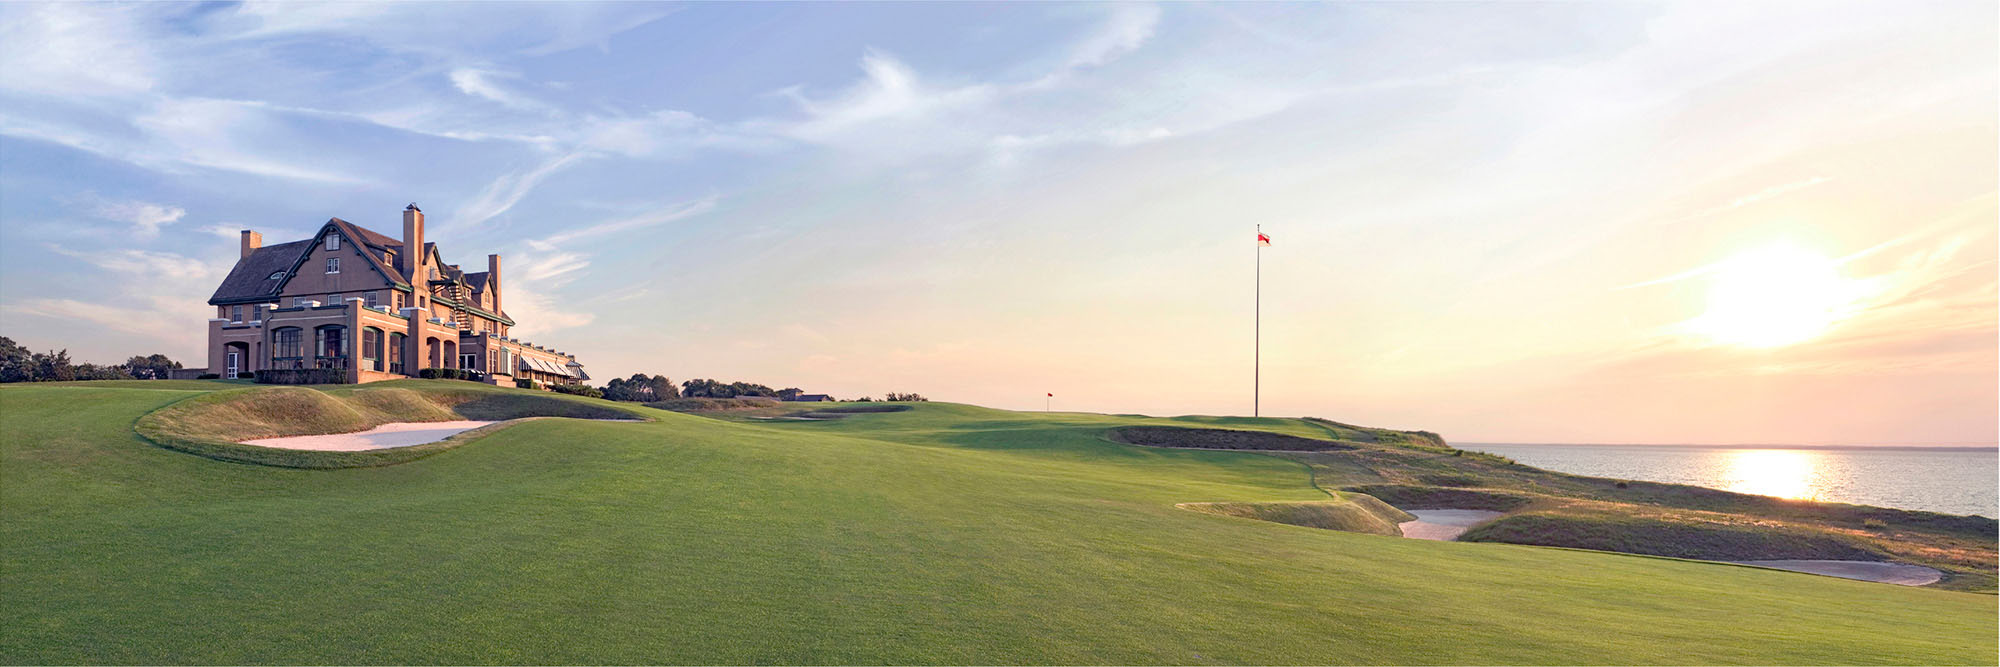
(658,216)
(507,190)
(481,84)
(145,218)
(1759,196)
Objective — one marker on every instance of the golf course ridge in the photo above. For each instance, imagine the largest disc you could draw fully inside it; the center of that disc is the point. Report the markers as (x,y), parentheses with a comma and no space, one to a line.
(940,533)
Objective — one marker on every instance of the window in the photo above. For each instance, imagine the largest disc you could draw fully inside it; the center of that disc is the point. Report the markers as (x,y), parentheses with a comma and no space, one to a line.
(285,344)
(371,299)
(236,313)
(330,341)
(333,265)
(395,353)
(333,299)
(333,242)
(371,347)
(389,257)
(468,361)
(399,301)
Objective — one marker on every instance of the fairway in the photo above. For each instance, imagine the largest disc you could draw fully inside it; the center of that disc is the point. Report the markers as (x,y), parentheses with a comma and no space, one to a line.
(942,534)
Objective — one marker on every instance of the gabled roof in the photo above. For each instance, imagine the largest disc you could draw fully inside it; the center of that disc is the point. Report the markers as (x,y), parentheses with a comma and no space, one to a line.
(251,279)
(355,233)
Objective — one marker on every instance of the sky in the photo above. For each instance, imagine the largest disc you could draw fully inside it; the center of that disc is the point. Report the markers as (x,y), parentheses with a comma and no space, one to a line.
(1510,222)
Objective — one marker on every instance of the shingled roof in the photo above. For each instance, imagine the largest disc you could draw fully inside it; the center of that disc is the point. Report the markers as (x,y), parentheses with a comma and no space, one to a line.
(251,279)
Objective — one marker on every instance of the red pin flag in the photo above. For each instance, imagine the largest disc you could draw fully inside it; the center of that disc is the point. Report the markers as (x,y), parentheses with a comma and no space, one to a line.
(1262,239)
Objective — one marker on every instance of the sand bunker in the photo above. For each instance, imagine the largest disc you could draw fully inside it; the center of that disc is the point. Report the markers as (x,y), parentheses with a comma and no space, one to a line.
(401,434)
(1443,525)
(1902,574)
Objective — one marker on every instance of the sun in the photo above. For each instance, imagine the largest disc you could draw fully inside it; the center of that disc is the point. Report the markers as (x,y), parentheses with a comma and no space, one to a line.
(1775,296)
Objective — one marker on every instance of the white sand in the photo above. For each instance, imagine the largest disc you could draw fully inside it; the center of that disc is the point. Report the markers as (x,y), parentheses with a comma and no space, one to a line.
(400,434)
(1903,574)
(1443,525)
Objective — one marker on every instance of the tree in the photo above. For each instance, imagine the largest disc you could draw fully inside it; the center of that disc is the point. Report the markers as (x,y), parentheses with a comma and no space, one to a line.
(96,372)
(641,388)
(151,367)
(16,363)
(914,398)
(53,367)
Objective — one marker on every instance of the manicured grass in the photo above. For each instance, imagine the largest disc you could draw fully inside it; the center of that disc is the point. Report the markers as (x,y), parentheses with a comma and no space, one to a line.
(945,534)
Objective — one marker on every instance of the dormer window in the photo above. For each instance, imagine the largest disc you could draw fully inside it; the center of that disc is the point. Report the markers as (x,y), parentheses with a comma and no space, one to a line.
(333,242)
(333,264)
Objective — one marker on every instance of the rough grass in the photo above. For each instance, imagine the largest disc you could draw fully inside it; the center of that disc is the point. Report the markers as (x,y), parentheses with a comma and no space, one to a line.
(714,404)
(1574,511)
(1218,438)
(946,534)
(1430,497)
(1663,535)
(1351,512)
(213,424)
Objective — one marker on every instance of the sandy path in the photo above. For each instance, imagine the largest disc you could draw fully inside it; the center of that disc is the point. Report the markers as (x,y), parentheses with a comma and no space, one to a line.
(1902,574)
(400,434)
(1443,525)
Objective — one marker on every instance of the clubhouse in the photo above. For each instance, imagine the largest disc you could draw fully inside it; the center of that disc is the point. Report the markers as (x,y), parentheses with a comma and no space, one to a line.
(352,305)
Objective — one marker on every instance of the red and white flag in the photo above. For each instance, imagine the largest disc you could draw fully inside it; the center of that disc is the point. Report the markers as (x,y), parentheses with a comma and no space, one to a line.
(1263,239)
(1052,395)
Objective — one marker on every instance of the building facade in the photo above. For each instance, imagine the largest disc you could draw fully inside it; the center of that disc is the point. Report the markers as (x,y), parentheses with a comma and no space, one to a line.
(367,307)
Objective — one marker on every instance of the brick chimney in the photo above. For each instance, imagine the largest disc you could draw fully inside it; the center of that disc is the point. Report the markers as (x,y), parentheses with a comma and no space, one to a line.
(413,256)
(493,280)
(251,242)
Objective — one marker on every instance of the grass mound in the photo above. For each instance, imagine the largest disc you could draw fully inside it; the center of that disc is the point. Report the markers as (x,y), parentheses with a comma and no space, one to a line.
(1663,536)
(864,408)
(1380,436)
(1218,438)
(213,424)
(1351,512)
(714,404)
(1438,498)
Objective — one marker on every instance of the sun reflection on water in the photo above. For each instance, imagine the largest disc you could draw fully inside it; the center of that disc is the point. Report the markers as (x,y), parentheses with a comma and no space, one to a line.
(1773,472)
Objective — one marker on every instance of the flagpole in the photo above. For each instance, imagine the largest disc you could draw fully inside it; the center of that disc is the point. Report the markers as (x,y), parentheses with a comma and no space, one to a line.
(1257,330)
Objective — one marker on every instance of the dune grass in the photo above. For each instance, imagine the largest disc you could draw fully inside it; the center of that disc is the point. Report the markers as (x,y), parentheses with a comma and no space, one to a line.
(945,534)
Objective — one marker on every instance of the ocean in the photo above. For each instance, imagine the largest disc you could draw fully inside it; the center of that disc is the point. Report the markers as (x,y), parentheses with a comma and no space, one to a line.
(1936,479)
